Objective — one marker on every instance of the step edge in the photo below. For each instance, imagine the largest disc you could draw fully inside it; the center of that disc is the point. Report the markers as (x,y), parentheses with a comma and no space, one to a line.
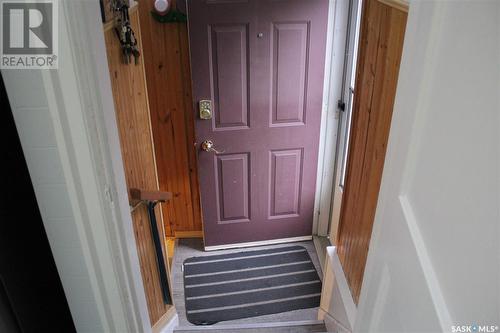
(251,325)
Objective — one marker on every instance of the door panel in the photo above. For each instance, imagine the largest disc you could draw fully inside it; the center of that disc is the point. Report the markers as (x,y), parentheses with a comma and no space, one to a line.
(290,45)
(233,195)
(286,181)
(261,63)
(229,75)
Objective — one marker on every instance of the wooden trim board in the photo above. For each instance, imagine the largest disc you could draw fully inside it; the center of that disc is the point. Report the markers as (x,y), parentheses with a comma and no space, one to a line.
(188,234)
(159,326)
(134,127)
(380,50)
(168,74)
(398,4)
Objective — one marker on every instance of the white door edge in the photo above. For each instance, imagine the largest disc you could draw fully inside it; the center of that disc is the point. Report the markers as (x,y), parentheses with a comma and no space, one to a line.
(334,60)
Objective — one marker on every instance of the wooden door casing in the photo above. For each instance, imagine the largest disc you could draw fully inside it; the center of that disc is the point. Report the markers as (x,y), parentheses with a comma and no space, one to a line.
(380,49)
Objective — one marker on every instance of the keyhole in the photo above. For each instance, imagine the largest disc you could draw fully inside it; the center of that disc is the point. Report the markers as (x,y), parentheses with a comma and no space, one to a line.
(260,35)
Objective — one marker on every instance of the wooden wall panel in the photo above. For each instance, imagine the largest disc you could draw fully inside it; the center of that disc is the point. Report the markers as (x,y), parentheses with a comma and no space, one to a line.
(381,43)
(166,54)
(132,113)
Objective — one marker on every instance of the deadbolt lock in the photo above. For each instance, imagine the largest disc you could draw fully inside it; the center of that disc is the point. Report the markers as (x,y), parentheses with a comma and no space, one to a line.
(205,109)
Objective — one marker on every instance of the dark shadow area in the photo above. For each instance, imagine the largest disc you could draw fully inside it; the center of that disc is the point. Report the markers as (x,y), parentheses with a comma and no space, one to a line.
(31,295)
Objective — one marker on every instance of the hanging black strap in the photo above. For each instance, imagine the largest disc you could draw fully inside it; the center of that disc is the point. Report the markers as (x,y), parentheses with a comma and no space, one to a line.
(160,259)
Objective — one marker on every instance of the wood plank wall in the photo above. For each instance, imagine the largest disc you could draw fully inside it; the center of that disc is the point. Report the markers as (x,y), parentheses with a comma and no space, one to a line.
(381,43)
(168,74)
(133,118)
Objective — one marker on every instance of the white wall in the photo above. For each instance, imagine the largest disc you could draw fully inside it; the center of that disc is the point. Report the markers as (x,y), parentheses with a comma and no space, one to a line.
(434,259)
(455,189)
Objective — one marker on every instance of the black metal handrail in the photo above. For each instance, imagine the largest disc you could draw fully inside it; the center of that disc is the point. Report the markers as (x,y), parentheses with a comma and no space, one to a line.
(165,289)
(151,199)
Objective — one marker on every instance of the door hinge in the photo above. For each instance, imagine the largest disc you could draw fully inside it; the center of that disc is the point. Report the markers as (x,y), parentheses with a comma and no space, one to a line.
(341,105)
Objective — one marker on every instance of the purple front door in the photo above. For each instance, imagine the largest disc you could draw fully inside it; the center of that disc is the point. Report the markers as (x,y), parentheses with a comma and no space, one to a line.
(261,64)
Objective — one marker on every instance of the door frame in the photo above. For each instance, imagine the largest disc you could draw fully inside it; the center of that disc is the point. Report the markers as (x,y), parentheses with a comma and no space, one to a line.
(414,91)
(325,174)
(79,99)
(81,105)
(345,114)
(325,217)
(332,82)
(338,307)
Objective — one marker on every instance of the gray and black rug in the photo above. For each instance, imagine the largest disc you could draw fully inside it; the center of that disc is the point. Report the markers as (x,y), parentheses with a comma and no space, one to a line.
(249,284)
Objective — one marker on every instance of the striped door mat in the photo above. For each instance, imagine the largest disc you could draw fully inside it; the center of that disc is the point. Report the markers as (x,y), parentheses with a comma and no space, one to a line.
(249,284)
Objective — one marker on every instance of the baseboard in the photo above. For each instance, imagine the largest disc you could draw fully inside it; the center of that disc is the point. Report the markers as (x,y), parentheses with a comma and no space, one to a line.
(167,323)
(189,234)
(336,298)
(258,243)
(332,324)
(320,244)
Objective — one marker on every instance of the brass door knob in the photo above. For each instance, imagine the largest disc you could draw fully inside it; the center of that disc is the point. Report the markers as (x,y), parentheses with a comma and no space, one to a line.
(209,146)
